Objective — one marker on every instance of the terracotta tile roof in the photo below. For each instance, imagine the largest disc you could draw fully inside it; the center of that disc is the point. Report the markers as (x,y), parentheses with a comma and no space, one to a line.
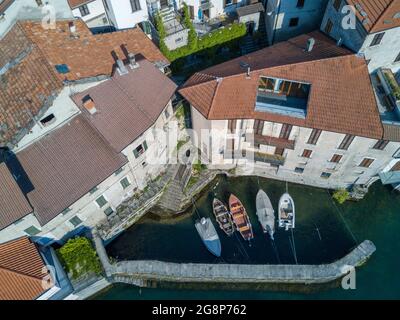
(341,97)
(380,14)
(29,81)
(13,204)
(65,165)
(27,84)
(76,3)
(127,105)
(21,270)
(85,54)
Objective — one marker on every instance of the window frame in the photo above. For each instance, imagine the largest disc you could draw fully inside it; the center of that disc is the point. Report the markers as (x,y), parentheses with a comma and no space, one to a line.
(377,40)
(336,158)
(314,136)
(300,4)
(32,234)
(75,217)
(381,144)
(135,5)
(297,19)
(109,207)
(337,4)
(84,10)
(325,175)
(366,162)
(102,196)
(258,126)
(299,170)
(346,142)
(128,180)
(329,26)
(138,154)
(307,153)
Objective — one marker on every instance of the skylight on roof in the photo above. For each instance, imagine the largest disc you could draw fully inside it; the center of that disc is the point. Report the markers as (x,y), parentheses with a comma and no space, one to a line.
(282,96)
(62,68)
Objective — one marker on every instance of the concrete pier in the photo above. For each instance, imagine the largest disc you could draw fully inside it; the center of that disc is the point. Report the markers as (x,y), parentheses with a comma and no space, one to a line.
(139,272)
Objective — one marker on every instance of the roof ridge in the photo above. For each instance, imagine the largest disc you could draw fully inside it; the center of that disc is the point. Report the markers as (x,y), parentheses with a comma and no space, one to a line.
(19,273)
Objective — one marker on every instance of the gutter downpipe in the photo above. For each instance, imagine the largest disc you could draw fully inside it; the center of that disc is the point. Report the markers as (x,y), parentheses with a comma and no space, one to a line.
(276,21)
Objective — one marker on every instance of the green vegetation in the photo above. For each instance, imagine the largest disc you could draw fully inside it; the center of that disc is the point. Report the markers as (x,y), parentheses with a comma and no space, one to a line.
(79,257)
(195,43)
(180,144)
(341,195)
(180,112)
(198,167)
(192,181)
(394,86)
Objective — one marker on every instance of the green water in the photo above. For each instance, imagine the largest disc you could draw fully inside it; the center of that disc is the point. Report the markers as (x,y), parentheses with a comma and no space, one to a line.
(375,218)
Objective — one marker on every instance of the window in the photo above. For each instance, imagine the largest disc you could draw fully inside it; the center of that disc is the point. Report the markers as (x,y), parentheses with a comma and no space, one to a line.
(377,39)
(32,231)
(135,5)
(166,113)
(306,153)
(381,144)
(258,126)
(125,183)
(300,4)
(93,190)
(65,211)
(62,68)
(140,149)
(366,163)
(75,221)
(347,140)
(101,201)
(118,171)
(396,167)
(231,126)
(298,170)
(336,4)
(177,40)
(108,211)
(314,136)
(84,10)
(285,131)
(46,121)
(329,26)
(144,164)
(293,22)
(325,175)
(336,158)
(279,151)
(38,2)
(397,58)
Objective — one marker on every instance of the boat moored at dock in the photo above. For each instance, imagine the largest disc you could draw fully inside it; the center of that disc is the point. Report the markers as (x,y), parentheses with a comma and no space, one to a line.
(209,235)
(223,217)
(240,218)
(286,212)
(265,213)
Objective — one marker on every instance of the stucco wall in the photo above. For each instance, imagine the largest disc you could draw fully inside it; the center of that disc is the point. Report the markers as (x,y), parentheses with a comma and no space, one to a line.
(310,17)
(122,16)
(96,14)
(177,40)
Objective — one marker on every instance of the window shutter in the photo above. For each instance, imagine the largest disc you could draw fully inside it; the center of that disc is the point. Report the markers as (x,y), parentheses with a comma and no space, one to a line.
(135,153)
(145,145)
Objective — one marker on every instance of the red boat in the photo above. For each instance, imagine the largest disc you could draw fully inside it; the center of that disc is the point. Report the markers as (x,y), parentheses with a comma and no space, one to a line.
(240,218)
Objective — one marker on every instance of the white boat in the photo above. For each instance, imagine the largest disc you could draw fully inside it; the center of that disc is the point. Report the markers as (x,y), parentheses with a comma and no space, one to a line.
(265,213)
(209,235)
(286,212)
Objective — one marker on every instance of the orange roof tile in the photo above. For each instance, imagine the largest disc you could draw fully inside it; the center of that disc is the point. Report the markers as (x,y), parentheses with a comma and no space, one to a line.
(380,14)
(21,270)
(341,97)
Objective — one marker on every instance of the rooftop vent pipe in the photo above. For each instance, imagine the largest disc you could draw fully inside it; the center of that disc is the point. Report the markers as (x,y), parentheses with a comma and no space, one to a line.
(121,67)
(310,44)
(132,60)
(89,104)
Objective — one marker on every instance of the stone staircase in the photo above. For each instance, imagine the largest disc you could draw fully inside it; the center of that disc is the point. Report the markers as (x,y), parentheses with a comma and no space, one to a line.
(250,43)
(172,198)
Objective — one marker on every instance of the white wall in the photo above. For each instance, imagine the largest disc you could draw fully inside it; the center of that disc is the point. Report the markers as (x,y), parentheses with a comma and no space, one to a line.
(96,14)
(122,16)
(28,9)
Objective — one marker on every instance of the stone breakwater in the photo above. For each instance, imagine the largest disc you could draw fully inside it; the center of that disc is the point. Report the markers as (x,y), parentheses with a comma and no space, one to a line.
(139,272)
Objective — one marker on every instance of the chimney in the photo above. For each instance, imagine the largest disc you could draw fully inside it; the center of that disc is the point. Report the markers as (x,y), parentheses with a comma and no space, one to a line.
(89,104)
(339,42)
(132,60)
(72,27)
(121,67)
(248,72)
(310,44)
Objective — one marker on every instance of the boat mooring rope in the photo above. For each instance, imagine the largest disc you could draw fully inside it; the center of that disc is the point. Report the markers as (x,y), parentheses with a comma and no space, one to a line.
(293,245)
(344,221)
(276,251)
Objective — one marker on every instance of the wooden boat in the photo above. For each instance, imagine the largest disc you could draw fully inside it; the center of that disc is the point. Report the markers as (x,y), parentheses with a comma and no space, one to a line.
(240,218)
(209,235)
(223,217)
(286,212)
(265,213)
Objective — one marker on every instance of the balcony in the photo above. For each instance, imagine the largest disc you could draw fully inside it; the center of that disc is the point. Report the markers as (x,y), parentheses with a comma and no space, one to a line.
(273,159)
(271,141)
(283,97)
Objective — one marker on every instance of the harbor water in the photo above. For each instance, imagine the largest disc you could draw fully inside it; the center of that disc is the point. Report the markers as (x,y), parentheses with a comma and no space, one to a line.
(324,232)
